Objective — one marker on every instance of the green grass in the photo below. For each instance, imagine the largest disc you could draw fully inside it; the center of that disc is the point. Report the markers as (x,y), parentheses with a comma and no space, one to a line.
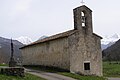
(111,70)
(27,77)
(3,65)
(80,77)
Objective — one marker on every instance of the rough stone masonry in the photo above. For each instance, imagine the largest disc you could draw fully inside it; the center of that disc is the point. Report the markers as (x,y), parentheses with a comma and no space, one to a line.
(77,50)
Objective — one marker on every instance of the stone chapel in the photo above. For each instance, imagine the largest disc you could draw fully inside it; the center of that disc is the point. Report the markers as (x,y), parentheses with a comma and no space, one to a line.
(77,50)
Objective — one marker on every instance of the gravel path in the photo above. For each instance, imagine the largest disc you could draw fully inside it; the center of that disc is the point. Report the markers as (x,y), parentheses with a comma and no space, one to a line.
(48,75)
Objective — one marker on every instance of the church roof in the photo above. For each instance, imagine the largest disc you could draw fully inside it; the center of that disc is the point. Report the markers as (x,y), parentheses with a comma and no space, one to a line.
(83,7)
(57,36)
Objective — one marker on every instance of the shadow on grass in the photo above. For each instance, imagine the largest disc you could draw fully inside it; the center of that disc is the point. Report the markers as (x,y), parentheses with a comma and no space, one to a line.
(46,68)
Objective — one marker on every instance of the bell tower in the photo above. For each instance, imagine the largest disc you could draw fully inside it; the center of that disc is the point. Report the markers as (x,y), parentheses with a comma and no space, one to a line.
(83,19)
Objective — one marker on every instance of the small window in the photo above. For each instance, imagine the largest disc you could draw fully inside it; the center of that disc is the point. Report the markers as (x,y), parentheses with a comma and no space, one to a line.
(83,24)
(86,66)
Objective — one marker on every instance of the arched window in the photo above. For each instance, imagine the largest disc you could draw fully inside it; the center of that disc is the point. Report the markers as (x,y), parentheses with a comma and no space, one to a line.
(83,19)
(82,13)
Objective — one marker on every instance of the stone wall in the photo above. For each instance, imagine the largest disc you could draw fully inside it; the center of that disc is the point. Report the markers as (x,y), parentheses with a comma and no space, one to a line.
(96,56)
(84,45)
(52,53)
(77,50)
(13,71)
(85,48)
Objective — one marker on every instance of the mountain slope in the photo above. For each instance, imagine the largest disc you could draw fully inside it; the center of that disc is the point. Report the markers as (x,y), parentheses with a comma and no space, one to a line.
(112,52)
(109,40)
(24,39)
(5,49)
(42,37)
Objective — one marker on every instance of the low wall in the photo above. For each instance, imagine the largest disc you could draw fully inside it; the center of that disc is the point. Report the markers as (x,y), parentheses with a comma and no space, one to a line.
(13,71)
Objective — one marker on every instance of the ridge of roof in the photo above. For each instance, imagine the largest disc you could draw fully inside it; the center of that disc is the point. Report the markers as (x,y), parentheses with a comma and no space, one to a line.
(53,37)
(56,36)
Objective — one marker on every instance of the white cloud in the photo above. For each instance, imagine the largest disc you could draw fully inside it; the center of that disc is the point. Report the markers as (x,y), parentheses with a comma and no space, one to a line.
(20,7)
(23,5)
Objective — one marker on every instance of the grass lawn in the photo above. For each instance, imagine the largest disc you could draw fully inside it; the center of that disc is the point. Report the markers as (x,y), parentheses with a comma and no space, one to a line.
(111,70)
(3,65)
(27,77)
(79,77)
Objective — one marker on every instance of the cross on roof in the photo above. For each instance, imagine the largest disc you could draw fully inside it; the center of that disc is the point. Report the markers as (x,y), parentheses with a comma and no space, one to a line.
(82,2)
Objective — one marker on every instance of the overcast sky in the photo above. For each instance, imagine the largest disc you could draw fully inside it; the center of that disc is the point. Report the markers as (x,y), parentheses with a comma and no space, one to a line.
(35,18)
